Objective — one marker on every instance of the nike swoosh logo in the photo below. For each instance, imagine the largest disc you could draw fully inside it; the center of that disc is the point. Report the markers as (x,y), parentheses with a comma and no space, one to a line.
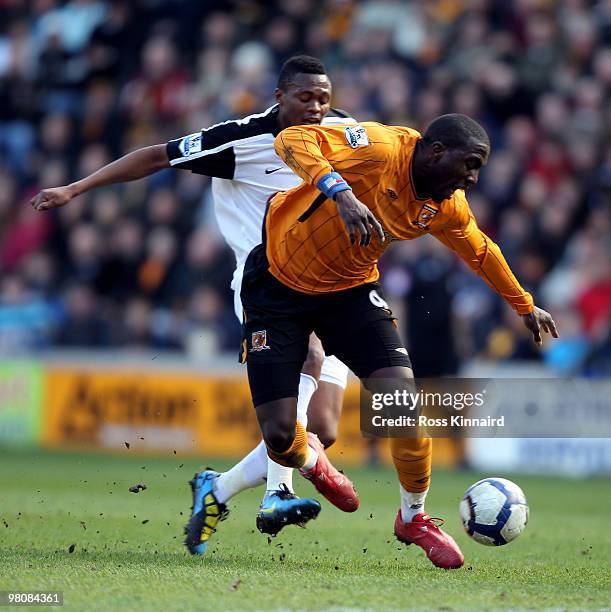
(272,170)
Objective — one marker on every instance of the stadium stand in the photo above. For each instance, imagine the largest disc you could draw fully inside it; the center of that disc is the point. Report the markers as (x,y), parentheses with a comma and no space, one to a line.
(142,266)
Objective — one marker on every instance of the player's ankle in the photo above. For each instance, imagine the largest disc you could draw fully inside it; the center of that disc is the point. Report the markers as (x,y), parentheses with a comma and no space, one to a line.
(218,489)
(407,516)
(412,503)
(310,461)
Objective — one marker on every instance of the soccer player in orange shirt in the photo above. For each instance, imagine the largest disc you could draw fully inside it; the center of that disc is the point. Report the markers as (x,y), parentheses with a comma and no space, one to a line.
(239,155)
(365,186)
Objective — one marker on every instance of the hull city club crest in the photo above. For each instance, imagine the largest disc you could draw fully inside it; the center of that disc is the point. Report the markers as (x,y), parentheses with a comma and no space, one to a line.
(259,341)
(425,216)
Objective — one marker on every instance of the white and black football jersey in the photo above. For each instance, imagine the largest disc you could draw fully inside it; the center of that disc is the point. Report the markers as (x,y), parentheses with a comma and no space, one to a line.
(240,156)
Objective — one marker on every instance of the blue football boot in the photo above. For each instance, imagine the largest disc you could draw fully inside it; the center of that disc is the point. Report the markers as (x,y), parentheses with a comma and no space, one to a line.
(281,508)
(206,513)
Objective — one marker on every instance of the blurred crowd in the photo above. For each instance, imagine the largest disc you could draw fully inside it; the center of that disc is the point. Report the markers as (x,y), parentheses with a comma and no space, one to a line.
(142,265)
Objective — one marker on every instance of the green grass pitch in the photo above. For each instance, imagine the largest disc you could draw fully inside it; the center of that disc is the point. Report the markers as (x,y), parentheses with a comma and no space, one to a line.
(127,548)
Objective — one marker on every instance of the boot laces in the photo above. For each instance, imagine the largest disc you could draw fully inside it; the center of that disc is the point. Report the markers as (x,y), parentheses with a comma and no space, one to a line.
(285,493)
(433,520)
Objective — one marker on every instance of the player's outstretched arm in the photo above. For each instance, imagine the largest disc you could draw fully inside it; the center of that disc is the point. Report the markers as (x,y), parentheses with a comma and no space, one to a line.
(485,258)
(138,164)
(538,320)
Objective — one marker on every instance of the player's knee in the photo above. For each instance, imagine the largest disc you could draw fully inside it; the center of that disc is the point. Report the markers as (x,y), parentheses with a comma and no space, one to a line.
(278,436)
(327,434)
(324,425)
(324,412)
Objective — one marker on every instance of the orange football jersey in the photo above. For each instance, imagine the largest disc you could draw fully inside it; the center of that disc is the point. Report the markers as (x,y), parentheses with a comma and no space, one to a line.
(307,245)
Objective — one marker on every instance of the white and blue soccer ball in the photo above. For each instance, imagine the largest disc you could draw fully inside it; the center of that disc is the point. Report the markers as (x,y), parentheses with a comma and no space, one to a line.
(494,511)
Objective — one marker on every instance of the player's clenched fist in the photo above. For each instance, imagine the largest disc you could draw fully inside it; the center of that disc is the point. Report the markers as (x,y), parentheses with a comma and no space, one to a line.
(52,198)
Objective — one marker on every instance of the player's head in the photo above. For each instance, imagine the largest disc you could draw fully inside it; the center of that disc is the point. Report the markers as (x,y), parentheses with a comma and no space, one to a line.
(303,92)
(456,147)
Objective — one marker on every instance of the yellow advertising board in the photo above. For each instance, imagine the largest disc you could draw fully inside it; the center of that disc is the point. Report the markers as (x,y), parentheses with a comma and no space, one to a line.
(148,410)
(205,415)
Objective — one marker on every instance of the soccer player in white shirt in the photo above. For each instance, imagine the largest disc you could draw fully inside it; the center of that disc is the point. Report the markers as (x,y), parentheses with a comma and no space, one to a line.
(246,172)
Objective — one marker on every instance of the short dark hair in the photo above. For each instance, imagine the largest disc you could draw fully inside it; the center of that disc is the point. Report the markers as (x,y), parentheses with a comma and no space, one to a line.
(455,131)
(298,64)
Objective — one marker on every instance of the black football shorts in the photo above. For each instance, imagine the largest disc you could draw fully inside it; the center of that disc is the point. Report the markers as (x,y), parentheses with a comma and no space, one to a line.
(355,325)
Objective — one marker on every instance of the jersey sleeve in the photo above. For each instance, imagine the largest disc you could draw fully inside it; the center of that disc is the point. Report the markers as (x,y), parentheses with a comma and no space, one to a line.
(484,257)
(300,148)
(208,152)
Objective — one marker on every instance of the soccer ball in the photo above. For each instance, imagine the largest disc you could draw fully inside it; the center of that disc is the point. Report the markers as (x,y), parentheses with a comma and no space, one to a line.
(494,511)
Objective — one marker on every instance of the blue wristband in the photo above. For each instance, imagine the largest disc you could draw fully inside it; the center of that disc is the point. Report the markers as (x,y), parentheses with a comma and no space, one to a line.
(331,184)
